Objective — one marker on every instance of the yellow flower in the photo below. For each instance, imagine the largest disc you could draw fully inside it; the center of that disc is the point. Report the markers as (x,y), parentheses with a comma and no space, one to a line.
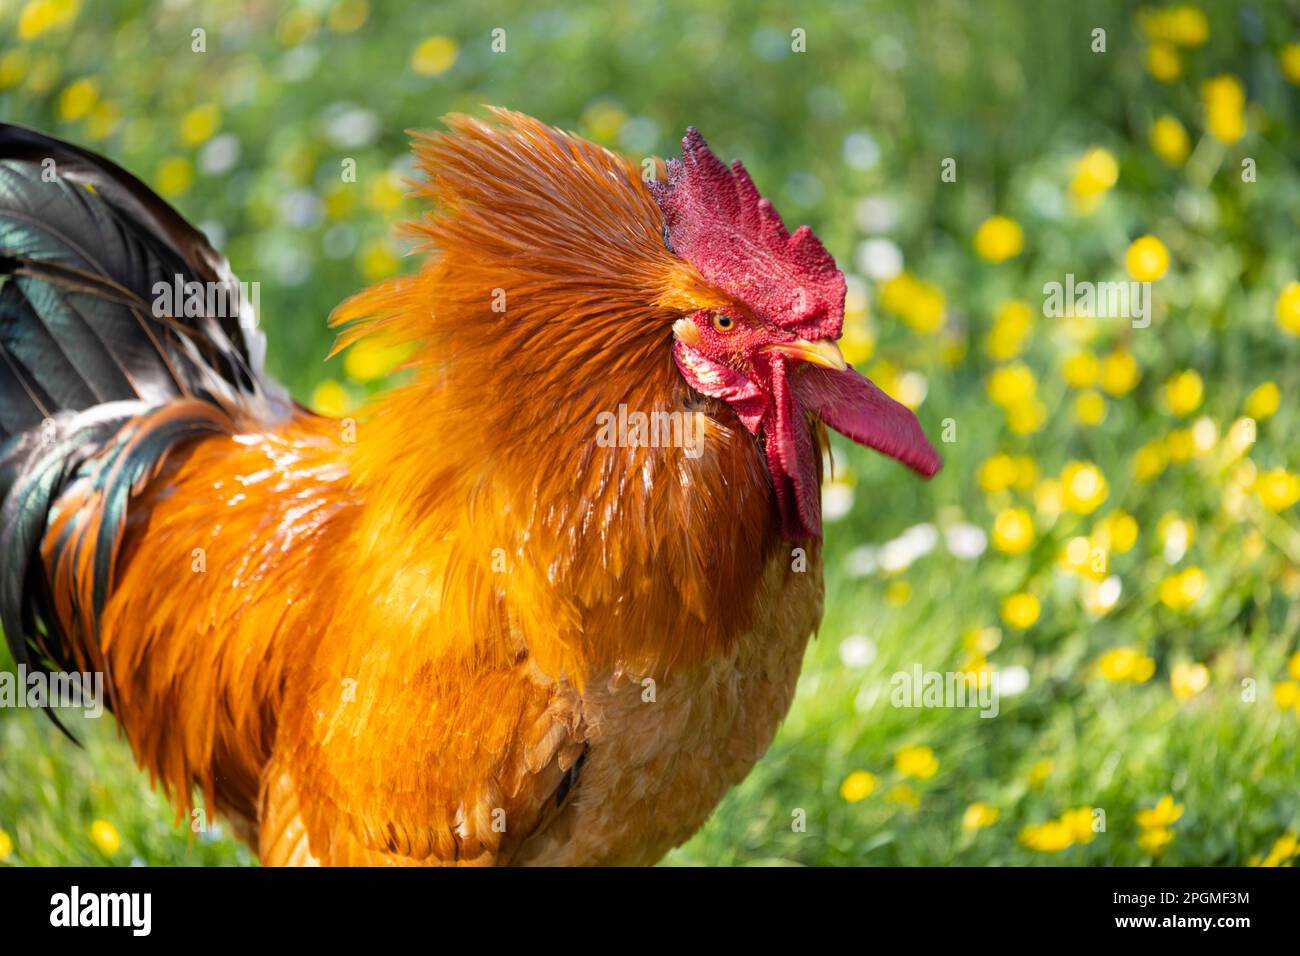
(1149,462)
(1169,140)
(1083,486)
(1289,58)
(997,473)
(1277,489)
(372,358)
(105,836)
(898,593)
(1012,385)
(377,261)
(1119,373)
(858,786)
(1117,531)
(330,398)
(1027,418)
(175,176)
(1126,664)
(1180,591)
(1050,837)
(921,304)
(1179,445)
(6,846)
(348,16)
(1286,694)
(1183,392)
(103,119)
(1013,531)
(1284,848)
(1011,326)
(998,239)
(1264,401)
(1094,175)
(904,795)
(1154,842)
(1040,771)
(78,99)
(1147,259)
(1163,62)
(1164,814)
(1090,408)
(1079,822)
(1020,610)
(13,64)
(1288,308)
(916,761)
(1225,102)
(1293,665)
(297,26)
(603,119)
(41,16)
(978,816)
(1080,370)
(1187,680)
(200,124)
(434,56)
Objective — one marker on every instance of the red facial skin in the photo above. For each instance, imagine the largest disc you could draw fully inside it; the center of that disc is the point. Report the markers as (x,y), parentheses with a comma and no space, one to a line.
(791,291)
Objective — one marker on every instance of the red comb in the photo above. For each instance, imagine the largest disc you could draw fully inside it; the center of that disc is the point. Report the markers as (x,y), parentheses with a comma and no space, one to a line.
(715,219)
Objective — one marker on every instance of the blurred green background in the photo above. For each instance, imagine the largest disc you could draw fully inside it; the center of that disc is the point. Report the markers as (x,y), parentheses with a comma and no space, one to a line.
(1115,533)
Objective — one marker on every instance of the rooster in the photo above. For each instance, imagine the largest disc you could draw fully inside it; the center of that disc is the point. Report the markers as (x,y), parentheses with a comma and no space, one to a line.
(457,629)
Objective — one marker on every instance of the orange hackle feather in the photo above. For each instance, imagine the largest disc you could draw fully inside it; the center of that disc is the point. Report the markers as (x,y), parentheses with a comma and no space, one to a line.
(371,636)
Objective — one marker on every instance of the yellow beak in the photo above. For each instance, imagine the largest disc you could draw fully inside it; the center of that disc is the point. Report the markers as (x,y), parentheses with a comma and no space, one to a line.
(824,353)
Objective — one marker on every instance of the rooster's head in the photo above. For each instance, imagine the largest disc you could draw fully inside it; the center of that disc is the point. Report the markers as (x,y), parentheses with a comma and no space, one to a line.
(762,336)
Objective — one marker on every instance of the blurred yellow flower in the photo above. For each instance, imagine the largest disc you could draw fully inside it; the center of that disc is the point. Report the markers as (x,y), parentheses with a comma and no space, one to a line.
(1284,848)
(997,473)
(1089,408)
(1169,140)
(348,16)
(41,16)
(105,836)
(1013,531)
(1179,445)
(898,593)
(1149,461)
(78,99)
(1286,694)
(1020,610)
(378,261)
(1040,771)
(904,795)
(200,124)
(1263,402)
(1163,62)
(1288,308)
(1027,417)
(175,176)
(1012,324)
(1119,373)
(1147,259)
(1225,103)
(1164,814)
(1094,175)
(330,398)
(1180,591)
(103,119)
(1011,385)
(1293,665)
(998,239)
(6,846)
(1079,822)
(1155,841)
(13,64)
(434,56)
(1183,24)
(919,303)
(371,358)
(1080,369)
(1126,665)
(978,816)
(1289,59)
(1183,392)
(1188,679)
(916,761)
(1083,487)
(1277,489)
(1117,531)
(297,26)
(603,119)
(1050,837)
(858,786)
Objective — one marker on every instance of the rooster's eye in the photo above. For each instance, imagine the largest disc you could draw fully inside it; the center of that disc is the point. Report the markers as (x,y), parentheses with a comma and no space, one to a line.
(723,322)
